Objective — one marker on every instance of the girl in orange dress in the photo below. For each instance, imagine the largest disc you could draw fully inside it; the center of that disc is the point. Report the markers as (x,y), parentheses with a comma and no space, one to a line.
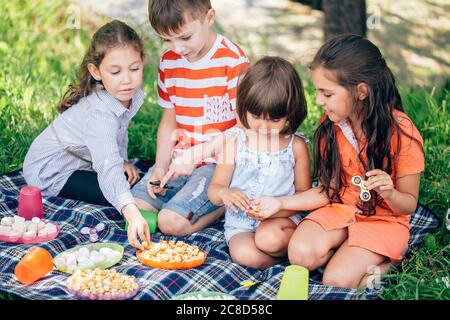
(363,132)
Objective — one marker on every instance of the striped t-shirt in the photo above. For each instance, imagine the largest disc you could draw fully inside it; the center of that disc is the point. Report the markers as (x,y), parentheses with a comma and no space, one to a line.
(203,93)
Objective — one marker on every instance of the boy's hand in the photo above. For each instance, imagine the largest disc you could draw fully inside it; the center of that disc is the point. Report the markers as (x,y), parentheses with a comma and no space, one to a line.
(133,174)
(157,175)
(176,169)
(137,225)
(234,199)
(381,182)
(264,208)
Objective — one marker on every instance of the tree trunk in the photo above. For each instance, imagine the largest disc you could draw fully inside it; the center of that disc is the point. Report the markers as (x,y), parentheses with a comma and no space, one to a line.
(344,16)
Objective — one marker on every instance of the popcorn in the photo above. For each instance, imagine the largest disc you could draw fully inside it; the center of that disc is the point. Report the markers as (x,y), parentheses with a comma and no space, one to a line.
(171,251)
(102,282)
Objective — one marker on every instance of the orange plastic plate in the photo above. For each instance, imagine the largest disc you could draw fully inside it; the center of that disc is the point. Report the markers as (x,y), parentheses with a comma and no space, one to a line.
(170,265)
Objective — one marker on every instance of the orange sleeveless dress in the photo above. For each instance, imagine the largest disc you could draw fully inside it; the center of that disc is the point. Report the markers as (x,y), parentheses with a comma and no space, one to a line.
(383,233)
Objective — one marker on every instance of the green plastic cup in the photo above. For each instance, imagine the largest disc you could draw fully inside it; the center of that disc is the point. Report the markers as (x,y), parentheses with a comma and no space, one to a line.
(150,217)
(294,284)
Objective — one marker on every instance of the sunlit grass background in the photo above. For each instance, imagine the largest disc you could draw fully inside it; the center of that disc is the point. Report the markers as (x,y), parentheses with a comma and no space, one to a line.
(39,57)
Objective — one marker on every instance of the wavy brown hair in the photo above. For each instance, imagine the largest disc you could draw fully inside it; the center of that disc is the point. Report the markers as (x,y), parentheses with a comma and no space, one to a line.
(353,60)
(272,88)
(112,35)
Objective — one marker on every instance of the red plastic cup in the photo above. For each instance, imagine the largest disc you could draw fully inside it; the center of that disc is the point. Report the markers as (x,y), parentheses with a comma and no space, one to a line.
(34,265)
(30,203)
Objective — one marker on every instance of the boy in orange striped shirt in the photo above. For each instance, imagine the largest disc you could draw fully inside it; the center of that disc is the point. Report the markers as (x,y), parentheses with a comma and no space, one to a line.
(197,81)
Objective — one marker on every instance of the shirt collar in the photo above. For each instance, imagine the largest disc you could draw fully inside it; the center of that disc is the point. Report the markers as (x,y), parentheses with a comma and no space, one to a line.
(117,107)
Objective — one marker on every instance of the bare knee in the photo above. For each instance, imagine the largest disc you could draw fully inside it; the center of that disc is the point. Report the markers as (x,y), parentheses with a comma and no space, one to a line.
(172,224)
(271,240)
(302,254)
(339,278)
(246,256)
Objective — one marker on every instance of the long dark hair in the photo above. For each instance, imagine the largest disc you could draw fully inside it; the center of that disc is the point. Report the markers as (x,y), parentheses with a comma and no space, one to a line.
(111,35)
(271,87)
(353,60)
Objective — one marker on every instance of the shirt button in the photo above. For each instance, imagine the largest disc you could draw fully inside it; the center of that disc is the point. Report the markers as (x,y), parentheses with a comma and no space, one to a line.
(261,179)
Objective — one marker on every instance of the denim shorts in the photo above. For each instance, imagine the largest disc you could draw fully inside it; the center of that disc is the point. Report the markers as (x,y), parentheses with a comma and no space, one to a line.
(188,198)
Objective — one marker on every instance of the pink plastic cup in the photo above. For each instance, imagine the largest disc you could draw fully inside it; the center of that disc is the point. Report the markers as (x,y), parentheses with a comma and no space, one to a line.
(30,203)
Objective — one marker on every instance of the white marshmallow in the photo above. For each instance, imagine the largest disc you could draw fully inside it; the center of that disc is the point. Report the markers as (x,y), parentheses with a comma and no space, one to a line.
(19,219)
(29,234)
(36,220)
(42,233)
(32,227)
(86,264)
(41,225)
(81,259)
(5,230)
(113,255)
(7,221)
(84,251)
(93,253)
(65,254)
(60,262)
(105,251)
(51,228)
(71,263)
(71,268)
(19,227)
(98,258)
(81,254)
(15,234)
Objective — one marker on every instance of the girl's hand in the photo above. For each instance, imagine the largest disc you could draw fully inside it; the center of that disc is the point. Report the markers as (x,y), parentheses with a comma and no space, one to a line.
(381,182)
(234,199)
(133,174)
(264,207)
(137,226)
(157,175)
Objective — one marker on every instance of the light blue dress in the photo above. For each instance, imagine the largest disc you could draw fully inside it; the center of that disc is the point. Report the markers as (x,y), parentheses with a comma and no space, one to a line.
(258,174)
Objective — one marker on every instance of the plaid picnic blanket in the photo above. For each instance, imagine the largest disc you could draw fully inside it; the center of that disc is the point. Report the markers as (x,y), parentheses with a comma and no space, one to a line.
(218,273)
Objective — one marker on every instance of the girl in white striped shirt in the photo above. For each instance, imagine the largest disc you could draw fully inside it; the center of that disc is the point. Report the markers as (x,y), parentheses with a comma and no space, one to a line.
(82,154)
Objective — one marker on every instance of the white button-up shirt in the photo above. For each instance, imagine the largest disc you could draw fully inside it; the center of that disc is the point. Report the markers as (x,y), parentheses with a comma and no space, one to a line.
(96,129)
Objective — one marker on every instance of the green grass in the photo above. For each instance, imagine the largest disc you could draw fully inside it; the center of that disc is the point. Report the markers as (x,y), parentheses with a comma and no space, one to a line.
(39,59)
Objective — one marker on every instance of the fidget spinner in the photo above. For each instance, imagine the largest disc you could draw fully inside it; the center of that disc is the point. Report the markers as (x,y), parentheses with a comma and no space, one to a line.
(93,232)
(365,194)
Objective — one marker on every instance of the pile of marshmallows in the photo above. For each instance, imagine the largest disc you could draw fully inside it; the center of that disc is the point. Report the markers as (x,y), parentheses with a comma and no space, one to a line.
(16,227)
(83,258)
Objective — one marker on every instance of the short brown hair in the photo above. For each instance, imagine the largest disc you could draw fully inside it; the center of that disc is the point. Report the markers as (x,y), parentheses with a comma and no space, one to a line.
(168,16)
(272,88)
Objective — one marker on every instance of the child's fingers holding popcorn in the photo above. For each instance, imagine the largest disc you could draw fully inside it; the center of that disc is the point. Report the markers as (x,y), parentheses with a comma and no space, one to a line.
(235,199)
